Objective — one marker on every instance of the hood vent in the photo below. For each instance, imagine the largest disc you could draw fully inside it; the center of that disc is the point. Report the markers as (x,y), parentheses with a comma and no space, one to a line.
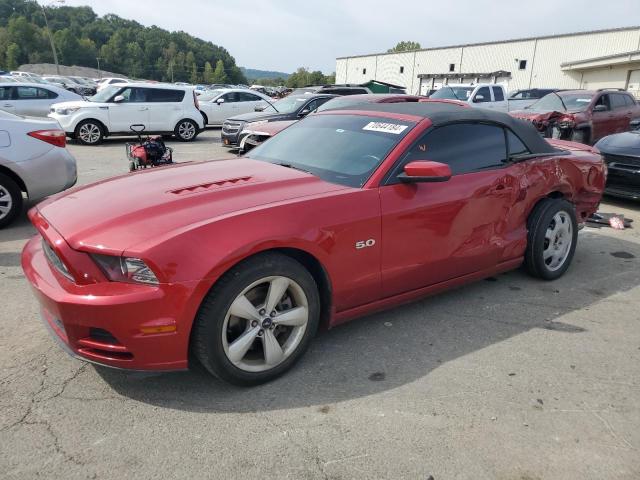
(209,185)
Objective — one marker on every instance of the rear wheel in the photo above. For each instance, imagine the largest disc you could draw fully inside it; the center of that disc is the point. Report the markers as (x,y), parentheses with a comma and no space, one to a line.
(258,320)
(553,235)
(186,130)
(10,200)
(89,132)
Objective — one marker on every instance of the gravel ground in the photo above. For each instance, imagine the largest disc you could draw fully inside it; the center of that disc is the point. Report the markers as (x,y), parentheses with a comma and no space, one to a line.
(508,379)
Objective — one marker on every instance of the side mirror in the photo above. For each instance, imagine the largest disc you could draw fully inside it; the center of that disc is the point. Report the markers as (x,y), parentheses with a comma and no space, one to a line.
(118,99)
(220,101)
(304,112)
(600,108)
(425,171)
(259,108)
(478,98)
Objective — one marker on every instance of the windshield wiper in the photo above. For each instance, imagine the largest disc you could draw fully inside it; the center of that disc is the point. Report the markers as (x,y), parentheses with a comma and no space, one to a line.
(290,165)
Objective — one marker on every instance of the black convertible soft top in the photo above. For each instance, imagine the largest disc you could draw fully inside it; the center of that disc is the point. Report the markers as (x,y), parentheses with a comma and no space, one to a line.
(441,113)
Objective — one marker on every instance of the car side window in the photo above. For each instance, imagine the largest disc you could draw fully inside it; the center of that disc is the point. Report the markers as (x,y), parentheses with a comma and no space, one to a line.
(312,105)
(485,93)
(160,95)
(28,93)
(497,94)
(603,100)
(231,97)
(248,97)
(515,146)
(465,147)
(5,93)
(630,101)
(134,95)
(618,101)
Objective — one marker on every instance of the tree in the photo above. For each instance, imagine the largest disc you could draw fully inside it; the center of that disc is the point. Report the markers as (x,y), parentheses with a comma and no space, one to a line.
(194,77)
(13,53)
(219,75)
(208,73)
(404,47)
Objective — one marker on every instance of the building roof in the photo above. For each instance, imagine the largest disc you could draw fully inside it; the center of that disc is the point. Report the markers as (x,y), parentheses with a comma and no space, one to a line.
(617,59)
(494,42)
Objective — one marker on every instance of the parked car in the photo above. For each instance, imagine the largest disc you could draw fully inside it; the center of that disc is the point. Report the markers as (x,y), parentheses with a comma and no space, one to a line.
(65,83)
(289,108)
(105,82)
(621,153)
(520,99)
(162,109)
(253,135)
(236,263)
(482,95)
(89,86)
(32,99)
(583,116)
(17,73)
(33,161)
(227,103)
(340,89)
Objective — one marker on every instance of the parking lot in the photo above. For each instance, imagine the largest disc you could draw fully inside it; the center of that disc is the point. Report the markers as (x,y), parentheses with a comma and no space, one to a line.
(509,378)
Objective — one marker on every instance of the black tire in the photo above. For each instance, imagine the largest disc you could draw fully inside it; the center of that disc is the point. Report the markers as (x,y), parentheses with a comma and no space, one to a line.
(11,197)
(132,166)
(540,220)
(89,132)
(206,339)
(186,130)
(580,136)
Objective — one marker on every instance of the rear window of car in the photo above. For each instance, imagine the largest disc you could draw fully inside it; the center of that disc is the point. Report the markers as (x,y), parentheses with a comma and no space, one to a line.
(629,100)
(164,95)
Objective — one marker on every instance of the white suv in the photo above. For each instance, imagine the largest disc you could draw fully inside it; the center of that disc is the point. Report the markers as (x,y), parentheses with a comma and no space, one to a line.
(161,108)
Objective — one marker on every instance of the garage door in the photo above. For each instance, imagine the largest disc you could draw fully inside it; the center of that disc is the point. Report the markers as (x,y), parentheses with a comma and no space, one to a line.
(634,83)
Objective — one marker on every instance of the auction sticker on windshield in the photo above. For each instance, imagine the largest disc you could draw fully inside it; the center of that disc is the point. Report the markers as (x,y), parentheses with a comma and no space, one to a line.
(385,127)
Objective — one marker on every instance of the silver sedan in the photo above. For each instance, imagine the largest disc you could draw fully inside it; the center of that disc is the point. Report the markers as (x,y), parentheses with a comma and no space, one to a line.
(33,162)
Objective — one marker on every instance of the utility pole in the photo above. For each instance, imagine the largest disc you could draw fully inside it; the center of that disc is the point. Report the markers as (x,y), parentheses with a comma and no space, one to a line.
(99,71)
(53,47)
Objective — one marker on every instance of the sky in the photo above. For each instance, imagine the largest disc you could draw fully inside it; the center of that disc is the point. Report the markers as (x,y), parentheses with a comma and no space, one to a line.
(283,35)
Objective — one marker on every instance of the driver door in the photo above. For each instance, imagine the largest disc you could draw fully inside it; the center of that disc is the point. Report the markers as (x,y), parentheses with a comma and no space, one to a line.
(434,232)
(227,109)
(132,110)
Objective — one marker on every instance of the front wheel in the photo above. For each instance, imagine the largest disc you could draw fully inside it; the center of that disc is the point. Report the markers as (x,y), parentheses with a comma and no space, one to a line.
(186,130)
(258,320)
(552,239)
(10,200)
(89,132)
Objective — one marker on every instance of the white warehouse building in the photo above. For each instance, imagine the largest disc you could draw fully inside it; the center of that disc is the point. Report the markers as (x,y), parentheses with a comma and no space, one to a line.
(590,60)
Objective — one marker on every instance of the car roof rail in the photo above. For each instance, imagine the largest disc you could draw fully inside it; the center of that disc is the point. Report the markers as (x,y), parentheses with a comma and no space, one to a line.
(611,89)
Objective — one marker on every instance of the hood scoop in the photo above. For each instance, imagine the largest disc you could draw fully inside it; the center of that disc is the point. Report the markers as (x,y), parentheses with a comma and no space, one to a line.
(211,185)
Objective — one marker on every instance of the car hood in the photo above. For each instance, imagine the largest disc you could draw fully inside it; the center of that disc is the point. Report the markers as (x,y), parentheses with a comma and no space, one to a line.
(120,213)
(255,116)
(270,128)
(627,143)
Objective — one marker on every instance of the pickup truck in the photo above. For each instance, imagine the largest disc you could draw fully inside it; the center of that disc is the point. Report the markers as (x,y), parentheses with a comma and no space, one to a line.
(490,95)
(583,116)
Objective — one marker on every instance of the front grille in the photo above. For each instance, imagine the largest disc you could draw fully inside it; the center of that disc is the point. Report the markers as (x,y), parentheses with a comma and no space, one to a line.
(622,161)
(55,260)
(231,127)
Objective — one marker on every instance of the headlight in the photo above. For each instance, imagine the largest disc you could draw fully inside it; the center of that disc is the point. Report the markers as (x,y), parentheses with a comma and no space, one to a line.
(125,269)
(55,260)
(66,111)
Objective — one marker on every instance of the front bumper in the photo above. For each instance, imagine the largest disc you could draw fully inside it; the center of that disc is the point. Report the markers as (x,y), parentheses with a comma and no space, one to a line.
(623,179)
(119,325)
(230,133)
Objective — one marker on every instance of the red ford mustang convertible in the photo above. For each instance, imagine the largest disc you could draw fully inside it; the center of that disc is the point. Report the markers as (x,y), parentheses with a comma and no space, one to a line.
(237,263)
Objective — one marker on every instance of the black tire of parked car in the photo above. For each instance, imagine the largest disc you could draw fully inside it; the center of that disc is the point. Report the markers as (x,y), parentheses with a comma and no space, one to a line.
(206,337)
(184,133)
(539,221)
(580,136)
(93,126)
(10,187)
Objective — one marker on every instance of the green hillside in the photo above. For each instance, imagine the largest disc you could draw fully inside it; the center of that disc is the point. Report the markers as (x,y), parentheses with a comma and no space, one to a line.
(123,46)
(253,74)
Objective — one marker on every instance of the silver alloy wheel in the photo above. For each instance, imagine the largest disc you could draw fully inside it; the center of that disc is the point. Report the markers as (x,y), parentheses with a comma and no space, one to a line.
(265,324)
(89,133)
(6,202)
(558,241)
(186,130)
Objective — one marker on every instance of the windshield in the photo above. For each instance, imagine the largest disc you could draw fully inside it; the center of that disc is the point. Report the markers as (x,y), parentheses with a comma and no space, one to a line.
(564,102)
(343,149)
(104,94)
(289,104)
(453,93)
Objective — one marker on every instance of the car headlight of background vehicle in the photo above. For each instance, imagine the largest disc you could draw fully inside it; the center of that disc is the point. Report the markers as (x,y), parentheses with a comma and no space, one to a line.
(125,269)
(67,111)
